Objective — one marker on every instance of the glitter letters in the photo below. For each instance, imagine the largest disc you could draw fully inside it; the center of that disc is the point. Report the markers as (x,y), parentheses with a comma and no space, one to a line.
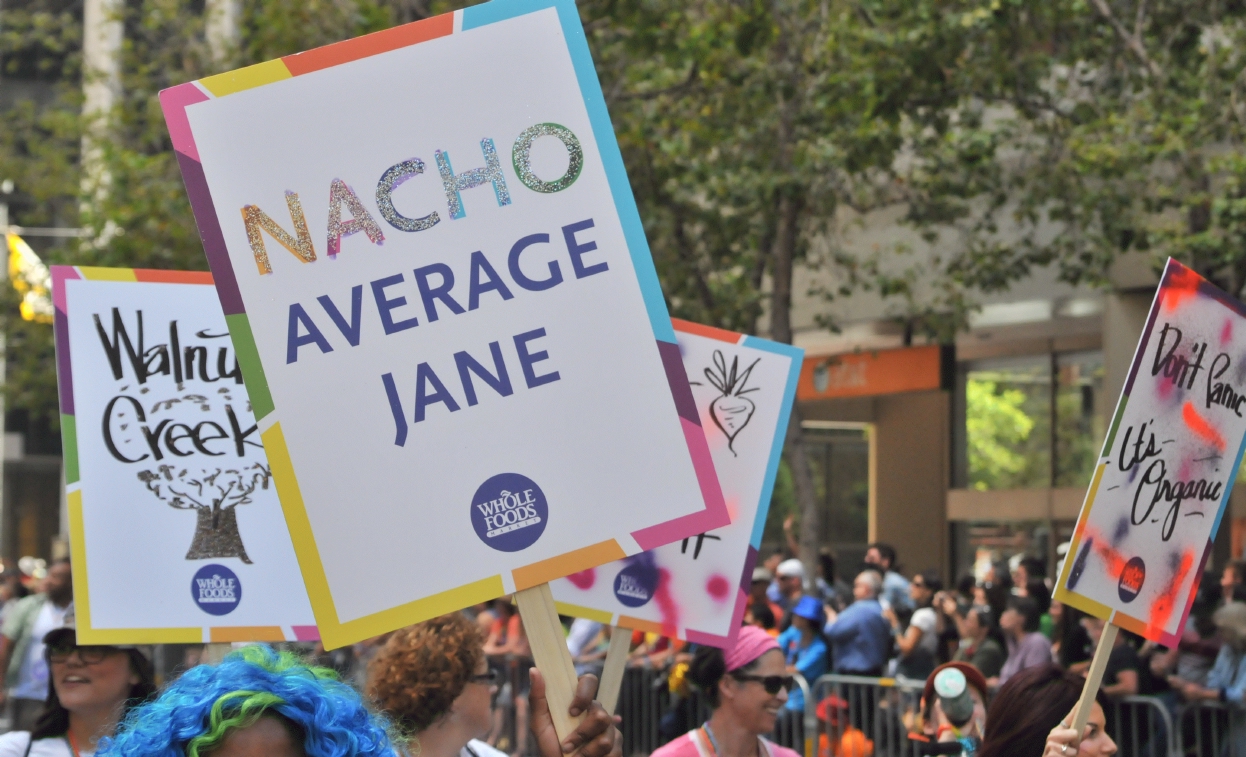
(491,173)
(361,219)
(391,180)
(257,220)
(521,157)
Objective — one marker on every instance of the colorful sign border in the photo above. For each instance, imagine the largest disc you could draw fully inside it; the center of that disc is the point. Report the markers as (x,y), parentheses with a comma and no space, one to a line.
(175,101)
(87,633)
(796,355)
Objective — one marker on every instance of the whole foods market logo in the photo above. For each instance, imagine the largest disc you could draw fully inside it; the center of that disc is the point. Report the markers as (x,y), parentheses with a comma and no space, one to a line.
(636,584)
(216,590)
(1132,578)
(509,512)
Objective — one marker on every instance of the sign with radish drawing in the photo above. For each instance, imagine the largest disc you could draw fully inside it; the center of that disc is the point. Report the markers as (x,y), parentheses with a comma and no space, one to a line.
(697,588)
(156,421)
(732,411)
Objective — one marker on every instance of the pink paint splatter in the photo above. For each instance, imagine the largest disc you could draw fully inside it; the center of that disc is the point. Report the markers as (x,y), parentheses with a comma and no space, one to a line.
(666,604)
(718,587)
(1226,333)
(584,579)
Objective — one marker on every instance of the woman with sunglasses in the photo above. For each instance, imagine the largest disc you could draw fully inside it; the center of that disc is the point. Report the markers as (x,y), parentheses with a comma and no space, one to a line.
(747,687)
(433,681)
(92,688)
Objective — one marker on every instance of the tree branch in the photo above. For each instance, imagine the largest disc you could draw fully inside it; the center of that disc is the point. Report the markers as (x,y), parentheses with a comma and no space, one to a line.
(1131,41)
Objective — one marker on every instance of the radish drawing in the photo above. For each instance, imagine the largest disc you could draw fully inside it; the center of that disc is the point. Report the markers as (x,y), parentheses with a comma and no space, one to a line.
(732,411)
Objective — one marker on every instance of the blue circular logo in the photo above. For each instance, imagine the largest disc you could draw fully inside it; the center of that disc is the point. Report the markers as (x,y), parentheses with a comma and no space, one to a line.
(509,512)
(216,590)
(637,583)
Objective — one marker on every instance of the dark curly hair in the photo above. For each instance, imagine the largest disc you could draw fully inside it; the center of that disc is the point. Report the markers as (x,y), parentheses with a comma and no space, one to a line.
(1027,707)
(423,668)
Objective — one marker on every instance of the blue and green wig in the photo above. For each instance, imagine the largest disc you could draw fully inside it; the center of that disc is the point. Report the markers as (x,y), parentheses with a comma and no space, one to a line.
(194,714)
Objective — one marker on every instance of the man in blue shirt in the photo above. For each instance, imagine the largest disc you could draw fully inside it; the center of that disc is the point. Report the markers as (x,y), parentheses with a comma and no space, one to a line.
(895,590)
(860,636)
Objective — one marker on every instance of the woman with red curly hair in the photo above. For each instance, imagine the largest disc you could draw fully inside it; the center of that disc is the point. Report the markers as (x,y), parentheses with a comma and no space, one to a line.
(433,682)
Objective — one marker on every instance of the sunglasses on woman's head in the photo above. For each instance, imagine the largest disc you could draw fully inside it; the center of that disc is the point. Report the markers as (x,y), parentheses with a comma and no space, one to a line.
(772,684)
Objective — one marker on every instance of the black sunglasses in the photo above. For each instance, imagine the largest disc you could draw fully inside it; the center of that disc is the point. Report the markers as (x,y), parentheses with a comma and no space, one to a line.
(90,655)
(488,679)
(772,684)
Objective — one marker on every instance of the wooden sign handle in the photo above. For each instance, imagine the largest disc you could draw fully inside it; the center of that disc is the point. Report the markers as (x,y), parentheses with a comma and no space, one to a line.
(1094,676)
(549,650)
(612,672)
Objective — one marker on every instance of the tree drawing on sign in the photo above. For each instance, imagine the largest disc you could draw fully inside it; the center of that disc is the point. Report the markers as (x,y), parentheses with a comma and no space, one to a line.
(213,494)
(732,411)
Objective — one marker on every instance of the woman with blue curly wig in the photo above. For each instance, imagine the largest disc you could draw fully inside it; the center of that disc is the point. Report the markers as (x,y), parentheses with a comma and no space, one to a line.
(258,703)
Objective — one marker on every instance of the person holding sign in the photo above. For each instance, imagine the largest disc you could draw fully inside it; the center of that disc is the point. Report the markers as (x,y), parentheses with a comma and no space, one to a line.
(91,688)
(434,680)
(1030,715)
(747,687)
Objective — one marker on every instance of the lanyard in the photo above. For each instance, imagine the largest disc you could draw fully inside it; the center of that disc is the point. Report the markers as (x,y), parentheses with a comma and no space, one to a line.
(762,751)
(73,744)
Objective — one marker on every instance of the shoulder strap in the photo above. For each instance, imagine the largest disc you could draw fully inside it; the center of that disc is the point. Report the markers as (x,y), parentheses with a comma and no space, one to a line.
(30,742)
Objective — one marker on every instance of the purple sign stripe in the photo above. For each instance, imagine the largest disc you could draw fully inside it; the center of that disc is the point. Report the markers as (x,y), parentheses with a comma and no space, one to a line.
(1146,332)
(677,377)
(64,374)
(210,234)
(750,562)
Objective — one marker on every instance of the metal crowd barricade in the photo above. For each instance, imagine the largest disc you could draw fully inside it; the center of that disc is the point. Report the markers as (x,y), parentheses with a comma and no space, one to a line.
(652,715)
(1212,729)
(863,716)
(1142,726)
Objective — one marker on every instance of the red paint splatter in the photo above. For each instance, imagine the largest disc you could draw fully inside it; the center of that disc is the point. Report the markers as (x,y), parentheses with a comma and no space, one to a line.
(718,587)
(1200,426)
(1164,389)
(1161,608)
(1180,286)
(584,579)
(1226,333)
(666,604)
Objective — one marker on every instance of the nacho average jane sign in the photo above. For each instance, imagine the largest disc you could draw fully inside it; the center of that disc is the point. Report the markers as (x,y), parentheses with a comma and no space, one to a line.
(446,312)
(168,485)
(1171,456)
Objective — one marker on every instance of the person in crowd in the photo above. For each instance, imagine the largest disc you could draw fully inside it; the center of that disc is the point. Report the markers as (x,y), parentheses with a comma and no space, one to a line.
(508,651)
(11,590)
(997,588)
(828,587)
(895,593)
(1070,643)
(860,637)
(92,688)
(434,682)
(1191,660)
(1120,677)
(933,725)
(584,644)
(1031,712)
(965,590)
(747,687)
(1233,582)
(918,645)
(1027,647)
(1227,680)
(21,644)
(791,575)
(763,618)
(261,702)
(804,648)
(1037,590)
(1028,568)
(758,592)
(771,564)
(979,643)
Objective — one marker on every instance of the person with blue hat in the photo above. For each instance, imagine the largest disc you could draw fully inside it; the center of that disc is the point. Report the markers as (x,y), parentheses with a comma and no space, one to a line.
(804,647)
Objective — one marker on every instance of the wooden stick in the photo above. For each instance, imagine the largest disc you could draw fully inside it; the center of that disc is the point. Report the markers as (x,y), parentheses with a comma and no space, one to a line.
(549,650)
(612,672)
(1094,676)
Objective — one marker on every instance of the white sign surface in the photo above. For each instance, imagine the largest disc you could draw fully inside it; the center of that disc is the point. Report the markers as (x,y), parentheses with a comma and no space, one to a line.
(697,588)
(176,530)
(448,317)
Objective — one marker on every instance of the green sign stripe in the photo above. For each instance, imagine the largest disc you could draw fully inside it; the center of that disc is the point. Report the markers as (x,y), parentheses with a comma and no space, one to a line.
(69,444)
(1116,424)
(249,361)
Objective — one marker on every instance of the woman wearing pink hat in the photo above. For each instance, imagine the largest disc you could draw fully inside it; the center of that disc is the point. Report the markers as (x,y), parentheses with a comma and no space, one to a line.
(747,688)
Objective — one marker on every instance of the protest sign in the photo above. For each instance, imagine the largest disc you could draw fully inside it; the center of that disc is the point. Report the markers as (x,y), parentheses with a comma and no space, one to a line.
(446,312)
(175,529)
(1171,456)
(697,588)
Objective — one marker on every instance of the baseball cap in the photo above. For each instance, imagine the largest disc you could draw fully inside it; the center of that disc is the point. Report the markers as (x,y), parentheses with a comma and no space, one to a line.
(67,635)
(792,568)
(761,574)
(810,609)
